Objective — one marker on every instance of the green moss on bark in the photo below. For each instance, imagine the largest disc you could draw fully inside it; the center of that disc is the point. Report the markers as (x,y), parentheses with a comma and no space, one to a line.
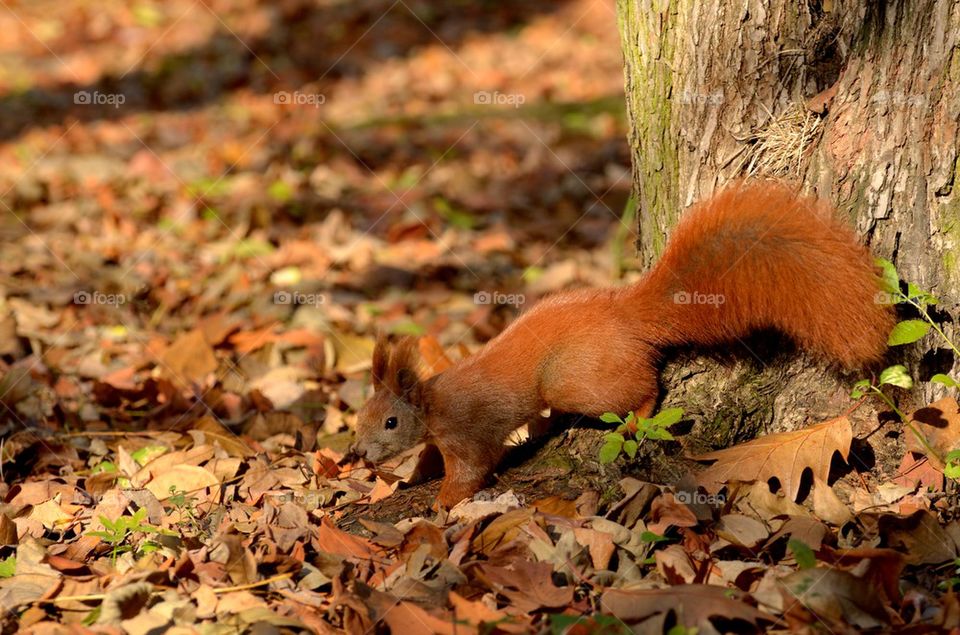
(649,30)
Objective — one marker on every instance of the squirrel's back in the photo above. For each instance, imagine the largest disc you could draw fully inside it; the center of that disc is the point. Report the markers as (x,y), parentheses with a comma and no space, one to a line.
(758,255)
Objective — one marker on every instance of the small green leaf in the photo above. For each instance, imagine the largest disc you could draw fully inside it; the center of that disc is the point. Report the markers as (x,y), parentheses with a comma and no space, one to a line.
(614,436)
(630,447)
(859,388)
(802,553)
(8,567)
(408,327)
(147,453)
(252,248)
(609,417)
(896,376)
(280,191)
(889,279)
(946,380)
(908,332)
(951,468)
(609,451)
(660,434)
(668,417)
(532,274)
(104,466)
(649,536)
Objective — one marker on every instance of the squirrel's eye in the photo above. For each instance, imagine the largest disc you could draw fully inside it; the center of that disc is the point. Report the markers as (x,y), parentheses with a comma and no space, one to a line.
(390,423)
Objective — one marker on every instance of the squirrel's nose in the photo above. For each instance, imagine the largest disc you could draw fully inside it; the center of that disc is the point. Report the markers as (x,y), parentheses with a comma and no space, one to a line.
(357,451)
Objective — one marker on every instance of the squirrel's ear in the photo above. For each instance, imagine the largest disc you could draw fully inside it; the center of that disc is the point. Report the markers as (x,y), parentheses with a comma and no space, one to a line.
(409,384)
(402,373)
(381,358)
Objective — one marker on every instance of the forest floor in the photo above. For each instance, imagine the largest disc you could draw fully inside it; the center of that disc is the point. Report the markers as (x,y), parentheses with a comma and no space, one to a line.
(210,209)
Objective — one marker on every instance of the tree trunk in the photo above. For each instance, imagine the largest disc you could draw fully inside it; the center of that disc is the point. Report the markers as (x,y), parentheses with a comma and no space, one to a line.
(857,100)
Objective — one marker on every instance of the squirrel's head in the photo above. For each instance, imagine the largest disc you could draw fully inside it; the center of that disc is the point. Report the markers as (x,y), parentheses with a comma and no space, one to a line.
(393,419)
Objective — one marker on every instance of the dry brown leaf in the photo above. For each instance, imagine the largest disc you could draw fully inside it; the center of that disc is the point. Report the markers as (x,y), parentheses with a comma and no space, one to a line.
(476,614)
(827,506)
(181,478)
(675,565)
(666,511)
(742,531)
(208,430)
(694,604)
(917,470)
(939,423)
(598,543)
(807,530)
(784,455)
(353,352)
(760,500)
(189,360)
(407,617)
(434,358)
(528,585)
(919,537)
(833,596)
(333,540)
(502,530)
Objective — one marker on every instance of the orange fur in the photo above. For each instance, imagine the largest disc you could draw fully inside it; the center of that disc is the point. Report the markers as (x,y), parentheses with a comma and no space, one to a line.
(756,255)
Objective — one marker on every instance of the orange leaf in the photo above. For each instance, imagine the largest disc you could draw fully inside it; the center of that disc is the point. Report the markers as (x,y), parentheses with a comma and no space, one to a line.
(784,455)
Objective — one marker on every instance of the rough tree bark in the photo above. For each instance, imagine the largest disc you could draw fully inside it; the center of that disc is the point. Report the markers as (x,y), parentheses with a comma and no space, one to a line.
(858,100)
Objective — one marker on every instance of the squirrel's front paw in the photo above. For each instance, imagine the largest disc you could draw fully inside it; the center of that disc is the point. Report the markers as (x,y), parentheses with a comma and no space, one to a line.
(452,493)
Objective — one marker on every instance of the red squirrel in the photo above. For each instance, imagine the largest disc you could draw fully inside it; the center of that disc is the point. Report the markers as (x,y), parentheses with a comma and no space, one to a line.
(755,255)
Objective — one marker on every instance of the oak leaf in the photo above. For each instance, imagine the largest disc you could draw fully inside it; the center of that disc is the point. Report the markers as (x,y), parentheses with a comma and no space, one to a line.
(784,455)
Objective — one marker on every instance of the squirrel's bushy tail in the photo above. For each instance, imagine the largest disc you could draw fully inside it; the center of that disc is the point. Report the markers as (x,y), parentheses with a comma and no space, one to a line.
(758,255)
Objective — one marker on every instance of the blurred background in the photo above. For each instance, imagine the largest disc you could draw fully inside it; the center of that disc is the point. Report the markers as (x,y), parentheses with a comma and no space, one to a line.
(232,197)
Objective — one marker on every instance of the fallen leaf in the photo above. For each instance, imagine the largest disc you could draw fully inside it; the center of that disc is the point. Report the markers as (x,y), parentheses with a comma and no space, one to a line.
(939,423)
(742,531)
(834,597)
(472,510)
(528,585)
(189,360)
(827,506)
(181,478)
(694,605)
(783,456)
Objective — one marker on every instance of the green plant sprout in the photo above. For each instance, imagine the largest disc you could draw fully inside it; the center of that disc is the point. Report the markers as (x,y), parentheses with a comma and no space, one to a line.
(908,332)
(952,582)
(119,533)
(633,431)
(186,505)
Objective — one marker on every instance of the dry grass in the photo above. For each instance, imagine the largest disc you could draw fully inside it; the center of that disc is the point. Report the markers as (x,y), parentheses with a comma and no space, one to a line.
(781,147)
